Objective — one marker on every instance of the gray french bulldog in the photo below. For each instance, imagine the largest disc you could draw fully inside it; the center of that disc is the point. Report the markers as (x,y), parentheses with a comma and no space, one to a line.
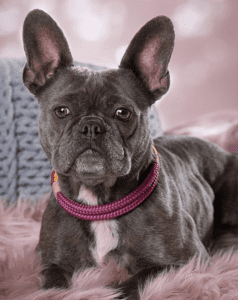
(93,127)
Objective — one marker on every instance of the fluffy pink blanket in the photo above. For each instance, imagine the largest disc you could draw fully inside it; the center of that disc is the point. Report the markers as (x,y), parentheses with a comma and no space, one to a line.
(220,128)
(19,266)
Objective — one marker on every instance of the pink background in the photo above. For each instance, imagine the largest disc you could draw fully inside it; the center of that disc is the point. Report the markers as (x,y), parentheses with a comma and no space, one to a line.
(204,65)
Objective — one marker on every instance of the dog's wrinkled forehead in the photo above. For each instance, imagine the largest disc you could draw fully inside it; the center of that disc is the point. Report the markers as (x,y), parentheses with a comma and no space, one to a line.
(98,89)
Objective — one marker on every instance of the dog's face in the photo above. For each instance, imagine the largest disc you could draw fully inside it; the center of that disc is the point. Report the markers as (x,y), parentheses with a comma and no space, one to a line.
(89,126)
(93,126)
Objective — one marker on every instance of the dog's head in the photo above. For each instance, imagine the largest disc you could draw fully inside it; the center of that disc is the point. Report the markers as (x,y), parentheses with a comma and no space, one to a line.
(94,125)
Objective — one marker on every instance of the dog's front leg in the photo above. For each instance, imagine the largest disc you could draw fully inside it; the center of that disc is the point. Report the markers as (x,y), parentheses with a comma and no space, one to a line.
(130,288)
(55,277)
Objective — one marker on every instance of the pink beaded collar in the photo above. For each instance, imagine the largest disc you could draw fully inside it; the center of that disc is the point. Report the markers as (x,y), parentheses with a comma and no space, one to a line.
(110,210)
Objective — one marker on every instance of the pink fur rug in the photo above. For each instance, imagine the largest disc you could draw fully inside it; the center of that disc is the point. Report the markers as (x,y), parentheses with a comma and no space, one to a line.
(220,128)
(20,279)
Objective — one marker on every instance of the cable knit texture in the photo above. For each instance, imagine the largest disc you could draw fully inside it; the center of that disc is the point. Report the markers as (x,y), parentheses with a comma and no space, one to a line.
(24,168)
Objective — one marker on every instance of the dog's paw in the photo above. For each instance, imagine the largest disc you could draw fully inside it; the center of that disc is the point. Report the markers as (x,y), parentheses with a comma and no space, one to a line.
(54,277)
(128,290)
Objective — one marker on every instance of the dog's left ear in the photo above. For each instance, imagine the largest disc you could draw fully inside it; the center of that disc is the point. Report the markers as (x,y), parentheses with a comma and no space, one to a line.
(149,53)
(46,50)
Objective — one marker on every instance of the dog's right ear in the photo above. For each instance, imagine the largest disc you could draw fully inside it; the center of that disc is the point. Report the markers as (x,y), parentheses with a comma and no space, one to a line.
(46,50)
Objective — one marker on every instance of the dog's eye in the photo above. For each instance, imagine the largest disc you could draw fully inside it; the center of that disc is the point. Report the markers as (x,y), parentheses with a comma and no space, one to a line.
(123,114)
(62,112)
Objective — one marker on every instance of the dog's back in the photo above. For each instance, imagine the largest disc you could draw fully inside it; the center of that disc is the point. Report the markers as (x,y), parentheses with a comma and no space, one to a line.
(205,177)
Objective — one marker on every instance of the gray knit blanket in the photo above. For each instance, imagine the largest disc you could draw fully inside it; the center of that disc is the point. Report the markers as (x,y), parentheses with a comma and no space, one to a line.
(24,168)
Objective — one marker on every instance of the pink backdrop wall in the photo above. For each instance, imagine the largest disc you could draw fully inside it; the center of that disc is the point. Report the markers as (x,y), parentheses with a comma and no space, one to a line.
(204,65)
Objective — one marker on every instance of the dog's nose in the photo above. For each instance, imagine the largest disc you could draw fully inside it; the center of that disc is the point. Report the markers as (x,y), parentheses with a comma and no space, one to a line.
(92,126)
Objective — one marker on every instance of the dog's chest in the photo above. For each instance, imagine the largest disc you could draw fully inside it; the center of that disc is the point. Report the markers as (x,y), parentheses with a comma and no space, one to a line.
(105,232)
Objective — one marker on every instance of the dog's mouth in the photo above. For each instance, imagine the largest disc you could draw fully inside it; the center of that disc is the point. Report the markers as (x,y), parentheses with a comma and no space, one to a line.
(90,162)
(90,167)
(93,167)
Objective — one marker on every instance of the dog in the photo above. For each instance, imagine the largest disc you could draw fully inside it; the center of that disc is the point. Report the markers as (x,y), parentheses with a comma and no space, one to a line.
(117,194)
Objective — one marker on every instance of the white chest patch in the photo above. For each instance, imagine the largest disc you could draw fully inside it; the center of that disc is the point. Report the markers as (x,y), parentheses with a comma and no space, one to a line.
(105,232)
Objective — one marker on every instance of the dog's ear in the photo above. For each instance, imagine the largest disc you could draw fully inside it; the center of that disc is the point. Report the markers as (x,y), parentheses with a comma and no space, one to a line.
(46,50)
(149,53)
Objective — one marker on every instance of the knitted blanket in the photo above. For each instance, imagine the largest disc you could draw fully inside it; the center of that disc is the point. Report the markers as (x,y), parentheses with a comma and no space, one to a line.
(24,168)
